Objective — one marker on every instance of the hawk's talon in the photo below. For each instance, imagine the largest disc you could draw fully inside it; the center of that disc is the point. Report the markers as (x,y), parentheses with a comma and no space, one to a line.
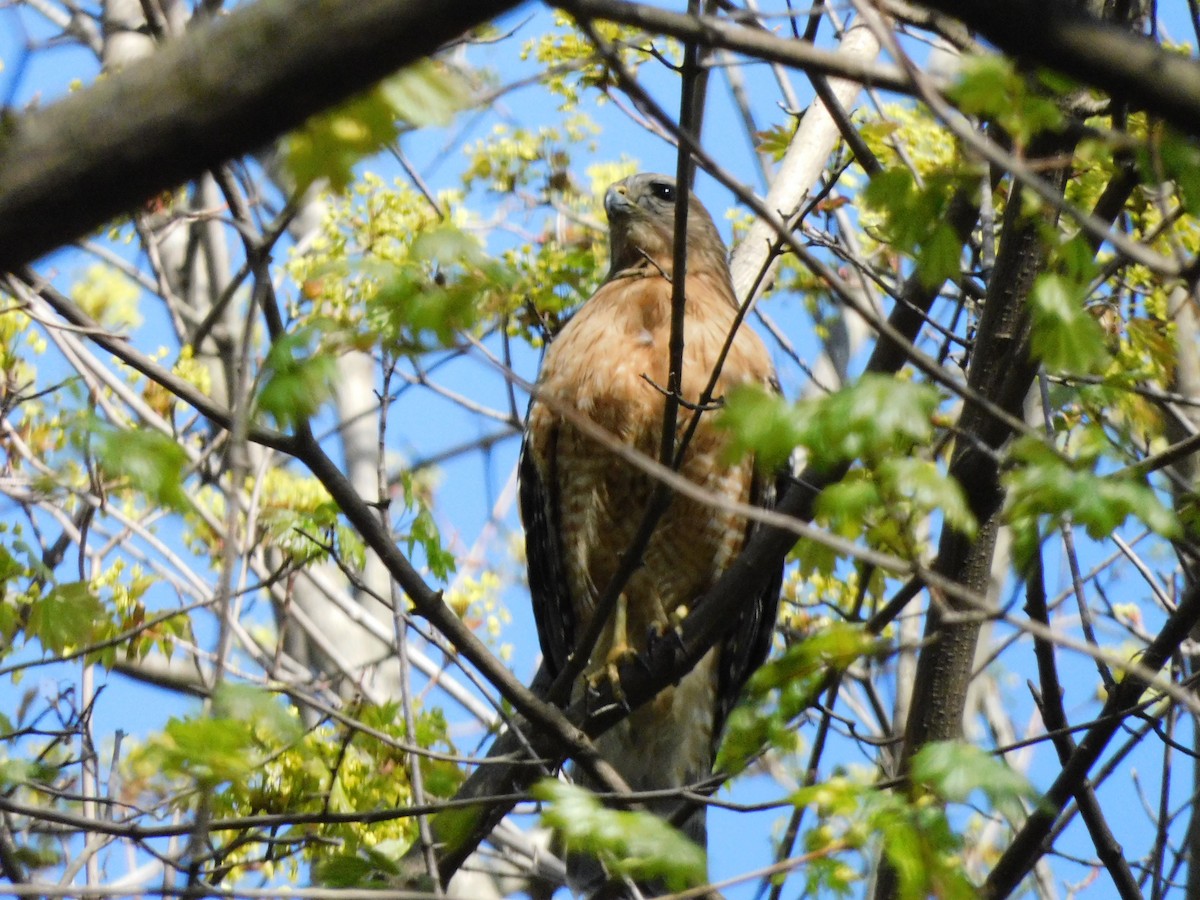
(677,633)
(620,653)
(673,627)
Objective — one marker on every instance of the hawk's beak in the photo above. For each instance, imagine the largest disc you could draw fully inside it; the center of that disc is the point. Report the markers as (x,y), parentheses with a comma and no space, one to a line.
(616,201)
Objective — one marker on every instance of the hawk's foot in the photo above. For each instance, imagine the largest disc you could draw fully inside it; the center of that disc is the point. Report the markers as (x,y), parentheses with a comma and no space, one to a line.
(671,629)
(620,652)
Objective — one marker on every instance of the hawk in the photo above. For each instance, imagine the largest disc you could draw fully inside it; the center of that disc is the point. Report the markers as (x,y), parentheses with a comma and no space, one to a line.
(581,504)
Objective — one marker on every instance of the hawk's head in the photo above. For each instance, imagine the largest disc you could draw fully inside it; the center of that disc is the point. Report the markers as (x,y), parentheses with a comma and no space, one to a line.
(641,218)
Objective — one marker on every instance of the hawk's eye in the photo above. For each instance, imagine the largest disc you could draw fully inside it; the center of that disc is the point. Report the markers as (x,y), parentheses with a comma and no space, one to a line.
(663,191)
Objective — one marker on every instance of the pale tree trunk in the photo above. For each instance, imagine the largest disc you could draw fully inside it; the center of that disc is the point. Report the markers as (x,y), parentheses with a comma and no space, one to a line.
(756,257)
(192,258)
(1183,421)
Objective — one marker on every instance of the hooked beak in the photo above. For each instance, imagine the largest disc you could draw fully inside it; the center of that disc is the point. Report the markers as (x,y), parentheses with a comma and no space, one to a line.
(616,201)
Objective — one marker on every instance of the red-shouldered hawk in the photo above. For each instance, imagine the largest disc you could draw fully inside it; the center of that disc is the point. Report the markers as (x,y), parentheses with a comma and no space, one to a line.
(581,504)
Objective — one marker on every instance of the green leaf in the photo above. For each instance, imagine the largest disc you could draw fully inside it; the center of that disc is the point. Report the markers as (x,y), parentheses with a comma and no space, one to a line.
(426,93)
(68,617)
(913,834)
(247,726)
(846,505)
(871,419)
(920,845)
(912,218)
(1066,338)
(836,647)
(456,824)
(776,140)
(929,489)
(209,750)
(150,461)
(940,256)
(9,568)
(760,423)
(875,417)
(446,287)
(1178,159)
(638,845)
(370,867)
(345,871)
(329,144)
(990,86)
(423,532)
(17,771)
(783,688)
(1076,260)
(1043,485)
(953,771)
(890,190)
(983,85)
(262,709)
(903,845)
(296,385)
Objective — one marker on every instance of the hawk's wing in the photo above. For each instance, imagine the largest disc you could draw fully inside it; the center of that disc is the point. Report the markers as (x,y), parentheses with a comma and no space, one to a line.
(552,608)
(749,641)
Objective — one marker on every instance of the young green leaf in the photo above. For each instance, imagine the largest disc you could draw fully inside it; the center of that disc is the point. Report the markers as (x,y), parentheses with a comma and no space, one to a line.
(940,256)
(760,423)
(1065,336)
(638,845)
(445,287)
(9,568)
(954,770)
(298,381)
(67,617)
(991,87)
(783,688)
(929,489)
(246,703)
(346,871)
(330,144)
(210,751)
(1178,158)
(149,461)
(871,419)
(1043,484)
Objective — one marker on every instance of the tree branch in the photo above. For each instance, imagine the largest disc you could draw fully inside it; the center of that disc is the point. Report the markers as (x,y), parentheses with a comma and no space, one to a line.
(1029,844)
(207,97)
(716,33)
(1059,36)
(1055,719)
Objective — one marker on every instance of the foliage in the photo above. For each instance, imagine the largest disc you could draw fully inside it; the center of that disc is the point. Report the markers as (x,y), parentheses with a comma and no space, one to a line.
(1066,337)
(294,388)
(992,88)
(331,143)
(259,759)
(912,218)
(637,845)
(871,419)
(575,67)
(420,309)
(878,421)
(1044,485)
(784,688)
(915,836)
